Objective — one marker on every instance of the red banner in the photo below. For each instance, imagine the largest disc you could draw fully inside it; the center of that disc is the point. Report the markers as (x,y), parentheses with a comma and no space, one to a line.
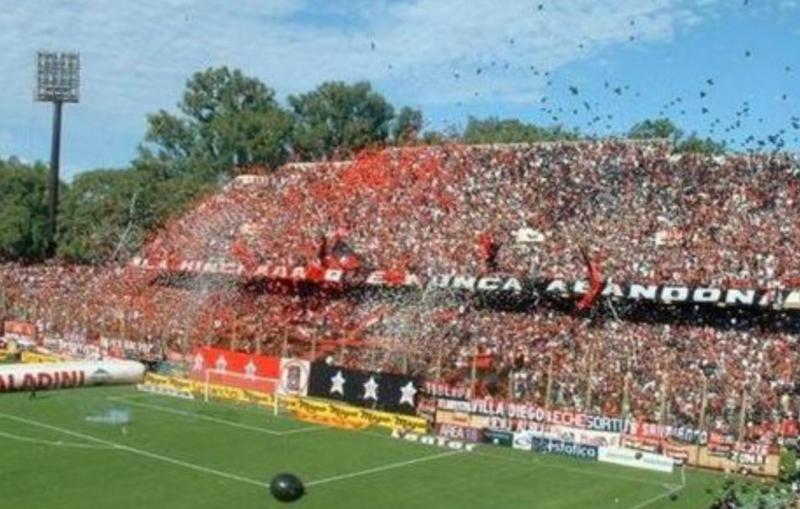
(21,329)
(249,365)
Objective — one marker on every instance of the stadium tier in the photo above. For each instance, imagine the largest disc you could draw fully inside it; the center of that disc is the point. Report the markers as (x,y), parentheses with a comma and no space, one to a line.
(612,278)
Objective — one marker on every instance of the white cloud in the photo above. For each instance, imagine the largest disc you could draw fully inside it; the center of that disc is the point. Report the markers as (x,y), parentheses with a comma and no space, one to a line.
(137,55)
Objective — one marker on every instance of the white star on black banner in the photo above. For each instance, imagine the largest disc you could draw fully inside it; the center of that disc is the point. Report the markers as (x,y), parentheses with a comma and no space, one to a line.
(381,391)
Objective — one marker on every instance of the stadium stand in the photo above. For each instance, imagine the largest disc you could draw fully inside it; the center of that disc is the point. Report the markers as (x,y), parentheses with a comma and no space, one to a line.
(636,211)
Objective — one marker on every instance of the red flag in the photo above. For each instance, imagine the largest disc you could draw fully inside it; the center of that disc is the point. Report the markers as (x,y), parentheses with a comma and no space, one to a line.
(315,272)
(395,276)
(595,283)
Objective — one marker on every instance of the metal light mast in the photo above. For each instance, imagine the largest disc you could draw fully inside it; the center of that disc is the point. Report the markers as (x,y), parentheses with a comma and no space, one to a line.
(58,82)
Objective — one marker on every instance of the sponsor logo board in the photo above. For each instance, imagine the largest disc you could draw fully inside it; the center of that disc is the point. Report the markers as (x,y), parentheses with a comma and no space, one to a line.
(636,459)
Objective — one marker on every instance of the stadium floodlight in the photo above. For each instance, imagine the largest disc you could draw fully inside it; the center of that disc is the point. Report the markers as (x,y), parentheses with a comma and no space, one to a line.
(58,82)
(58,77)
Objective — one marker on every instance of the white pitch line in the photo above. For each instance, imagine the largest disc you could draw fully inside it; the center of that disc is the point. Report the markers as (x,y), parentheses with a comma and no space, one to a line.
(375,470)
(675,489)
(656,498)
(301,430)
(29,440)
(140,452)
(214,419)
(194,415)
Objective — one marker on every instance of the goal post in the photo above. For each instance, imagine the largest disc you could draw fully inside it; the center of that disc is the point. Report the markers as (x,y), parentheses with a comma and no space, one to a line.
(263,385)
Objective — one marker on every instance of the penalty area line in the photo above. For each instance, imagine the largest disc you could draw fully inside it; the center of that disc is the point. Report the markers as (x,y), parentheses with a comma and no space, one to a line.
(383,468)
(53,443)
(216,420)
(140,452)
(675,488)
(195,415)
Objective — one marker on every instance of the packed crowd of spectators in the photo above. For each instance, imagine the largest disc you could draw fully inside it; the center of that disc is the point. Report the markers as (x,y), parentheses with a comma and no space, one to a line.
(641,212)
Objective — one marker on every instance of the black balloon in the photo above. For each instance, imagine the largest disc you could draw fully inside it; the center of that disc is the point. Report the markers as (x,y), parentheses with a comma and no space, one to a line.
(286,487)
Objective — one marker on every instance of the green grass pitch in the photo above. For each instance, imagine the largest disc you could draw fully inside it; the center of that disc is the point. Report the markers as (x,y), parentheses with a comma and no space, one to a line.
(178,454)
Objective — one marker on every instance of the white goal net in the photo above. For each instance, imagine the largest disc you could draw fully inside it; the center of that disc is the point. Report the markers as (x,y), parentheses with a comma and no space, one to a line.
(214,377)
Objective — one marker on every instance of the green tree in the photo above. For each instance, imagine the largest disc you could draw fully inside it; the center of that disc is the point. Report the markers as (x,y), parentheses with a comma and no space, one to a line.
(226,120)
(337,119)
(494,130)
(407,125)
(108,213)
(655,129)
(434,137)
(23,210)
(698,145)
(664,128)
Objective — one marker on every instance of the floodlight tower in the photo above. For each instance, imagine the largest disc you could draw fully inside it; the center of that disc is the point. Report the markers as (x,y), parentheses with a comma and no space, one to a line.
(58,82)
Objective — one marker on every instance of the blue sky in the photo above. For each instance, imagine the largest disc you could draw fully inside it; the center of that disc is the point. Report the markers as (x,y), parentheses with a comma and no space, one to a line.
(137,56)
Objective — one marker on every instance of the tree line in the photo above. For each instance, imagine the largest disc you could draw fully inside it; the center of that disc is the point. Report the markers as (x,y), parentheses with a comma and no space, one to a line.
(225,122)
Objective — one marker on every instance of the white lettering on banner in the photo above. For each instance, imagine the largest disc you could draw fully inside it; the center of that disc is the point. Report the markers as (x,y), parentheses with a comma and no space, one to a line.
(463,283)
(489,283)
(445,391)
(412,280)
(557,286)
(670,294)
(376,278)
(524,412)
(682,433)
(580,287)
(454,405)
(744,458)
(643,292)
(746,297)
(779,299)
(512,284)
(706,295)
(442,281)
(26,377)
(456,445)
(613,290)
(792,301)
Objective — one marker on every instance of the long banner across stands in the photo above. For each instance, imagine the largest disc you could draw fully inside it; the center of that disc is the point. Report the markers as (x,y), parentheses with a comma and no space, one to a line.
(492,284)
(498,414)
(516,416)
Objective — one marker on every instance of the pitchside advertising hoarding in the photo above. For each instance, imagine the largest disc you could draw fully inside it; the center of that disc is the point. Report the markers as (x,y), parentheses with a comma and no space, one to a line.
(636,459)
(28,377)
(527,441)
